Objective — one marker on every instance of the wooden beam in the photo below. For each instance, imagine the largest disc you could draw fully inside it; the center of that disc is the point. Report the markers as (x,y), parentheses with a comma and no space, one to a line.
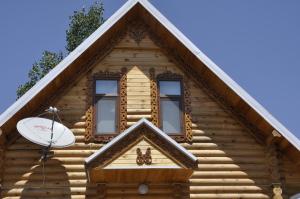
(2,152)
(273,138)
(274,162)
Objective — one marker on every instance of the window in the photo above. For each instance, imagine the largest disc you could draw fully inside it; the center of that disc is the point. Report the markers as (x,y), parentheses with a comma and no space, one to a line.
(106,106)
(171,115)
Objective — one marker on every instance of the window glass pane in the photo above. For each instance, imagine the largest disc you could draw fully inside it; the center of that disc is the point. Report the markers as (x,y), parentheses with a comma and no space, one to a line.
(106,87)
(171,120)
(106,116)
(169,87)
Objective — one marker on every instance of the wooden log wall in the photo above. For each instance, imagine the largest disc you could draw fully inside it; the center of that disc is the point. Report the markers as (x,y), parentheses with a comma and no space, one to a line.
(231,163)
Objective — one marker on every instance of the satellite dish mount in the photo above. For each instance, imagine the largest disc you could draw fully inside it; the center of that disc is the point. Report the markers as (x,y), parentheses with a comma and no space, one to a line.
(49,133)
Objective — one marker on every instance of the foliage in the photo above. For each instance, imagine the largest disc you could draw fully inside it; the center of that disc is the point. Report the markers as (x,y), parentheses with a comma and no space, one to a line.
(82,24)
(39,69)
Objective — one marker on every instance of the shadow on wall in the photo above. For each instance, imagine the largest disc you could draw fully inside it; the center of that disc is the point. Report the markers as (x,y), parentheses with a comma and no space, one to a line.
(48,181)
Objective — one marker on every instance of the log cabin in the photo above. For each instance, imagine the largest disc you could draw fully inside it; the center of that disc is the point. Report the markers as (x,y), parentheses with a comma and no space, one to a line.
(153,117)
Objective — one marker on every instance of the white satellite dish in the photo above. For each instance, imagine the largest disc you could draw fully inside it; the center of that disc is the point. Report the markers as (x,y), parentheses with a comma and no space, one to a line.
(46,132)
(39,131)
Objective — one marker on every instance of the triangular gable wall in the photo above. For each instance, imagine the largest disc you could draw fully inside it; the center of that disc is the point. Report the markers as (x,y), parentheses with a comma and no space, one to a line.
(128,159)
(268,122)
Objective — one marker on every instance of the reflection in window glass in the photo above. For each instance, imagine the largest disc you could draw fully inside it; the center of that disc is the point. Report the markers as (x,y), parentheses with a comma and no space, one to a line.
(106,116)
(107,87)
(170,116)
(169,87)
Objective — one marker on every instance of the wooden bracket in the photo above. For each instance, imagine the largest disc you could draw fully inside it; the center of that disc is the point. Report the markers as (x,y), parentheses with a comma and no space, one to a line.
(273,138)
(277,191)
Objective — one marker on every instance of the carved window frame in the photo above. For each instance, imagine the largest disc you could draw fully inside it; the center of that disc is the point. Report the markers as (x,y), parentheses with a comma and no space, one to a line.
(121,77)
(186,135)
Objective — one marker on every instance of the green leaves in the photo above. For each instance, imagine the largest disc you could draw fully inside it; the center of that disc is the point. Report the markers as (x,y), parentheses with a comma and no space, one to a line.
(39,69)
(82,24)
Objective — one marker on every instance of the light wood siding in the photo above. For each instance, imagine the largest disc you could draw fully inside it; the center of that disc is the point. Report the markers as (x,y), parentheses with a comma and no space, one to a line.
(128,159)
(231,164)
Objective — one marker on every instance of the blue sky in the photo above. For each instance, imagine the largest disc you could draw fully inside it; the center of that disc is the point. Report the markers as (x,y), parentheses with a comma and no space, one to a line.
(256,42)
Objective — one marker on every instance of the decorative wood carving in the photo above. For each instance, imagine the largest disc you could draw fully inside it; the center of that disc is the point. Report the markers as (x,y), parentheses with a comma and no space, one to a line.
(143,158)
(90,113)
(192,73)
(137,31)
(140,157)
(187,111)
(154,98)
(186,99)
(124,145)
(277,191)
(123,99)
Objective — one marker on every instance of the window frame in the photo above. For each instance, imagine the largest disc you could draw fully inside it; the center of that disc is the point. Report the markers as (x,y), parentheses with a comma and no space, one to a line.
(180,98)
(96,98)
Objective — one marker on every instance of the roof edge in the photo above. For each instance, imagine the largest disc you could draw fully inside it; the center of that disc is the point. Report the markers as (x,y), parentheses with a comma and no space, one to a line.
(42,83)
(156,130)
(222,75)
(20,103)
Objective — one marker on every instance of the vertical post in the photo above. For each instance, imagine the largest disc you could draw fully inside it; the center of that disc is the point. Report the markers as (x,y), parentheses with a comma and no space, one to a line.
(273,156)
(101,190)
(2,153)
(180,191)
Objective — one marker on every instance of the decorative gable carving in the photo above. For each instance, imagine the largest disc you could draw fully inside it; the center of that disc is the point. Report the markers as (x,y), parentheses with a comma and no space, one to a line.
(118,159)
(143,154)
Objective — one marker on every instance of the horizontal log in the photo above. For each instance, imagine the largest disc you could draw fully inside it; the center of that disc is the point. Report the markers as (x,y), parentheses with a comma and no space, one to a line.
(214,174)
(40,191)
(227,181)
(233,159)
(228,152)
(53,184)
(226,167)
(205,189)
(40,176)
(230,195)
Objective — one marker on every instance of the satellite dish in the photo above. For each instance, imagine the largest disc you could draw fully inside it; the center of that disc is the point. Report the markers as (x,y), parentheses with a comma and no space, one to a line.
(39,131)
(45,132)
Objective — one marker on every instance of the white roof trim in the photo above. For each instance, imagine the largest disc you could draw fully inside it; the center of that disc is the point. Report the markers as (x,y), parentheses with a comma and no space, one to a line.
(4,117)
(130,130)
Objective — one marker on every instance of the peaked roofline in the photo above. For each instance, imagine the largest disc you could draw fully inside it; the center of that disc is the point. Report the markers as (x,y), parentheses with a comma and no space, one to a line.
(20,103)
(131,129)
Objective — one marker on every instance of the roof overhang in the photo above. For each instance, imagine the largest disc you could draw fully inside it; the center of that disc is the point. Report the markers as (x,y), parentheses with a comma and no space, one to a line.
(113,162)
(214,76)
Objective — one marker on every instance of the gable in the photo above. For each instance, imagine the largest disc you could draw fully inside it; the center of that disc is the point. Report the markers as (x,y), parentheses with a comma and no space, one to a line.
(129,158)
(224,89)
(116,161)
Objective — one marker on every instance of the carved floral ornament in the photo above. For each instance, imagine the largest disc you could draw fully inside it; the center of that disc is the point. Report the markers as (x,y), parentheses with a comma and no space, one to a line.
(142,159)
(90,119)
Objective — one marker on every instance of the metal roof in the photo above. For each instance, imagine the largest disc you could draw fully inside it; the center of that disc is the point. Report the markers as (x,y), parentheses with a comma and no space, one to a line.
(21,102)
(131,129)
